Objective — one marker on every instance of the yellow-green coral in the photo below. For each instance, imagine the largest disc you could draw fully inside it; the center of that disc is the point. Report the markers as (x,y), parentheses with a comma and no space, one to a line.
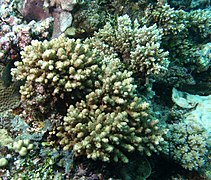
(106,118)
(22,146)
(171,21)
(139,47)
(5,139)
(52,69)
(188,144)
(111,121)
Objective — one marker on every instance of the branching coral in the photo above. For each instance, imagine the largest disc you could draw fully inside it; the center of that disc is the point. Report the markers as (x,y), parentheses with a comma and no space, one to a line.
(139,47)
(184,32)
(111,121)
(171,21)
(199,23)
(53,69)
(106,119)
(188,144)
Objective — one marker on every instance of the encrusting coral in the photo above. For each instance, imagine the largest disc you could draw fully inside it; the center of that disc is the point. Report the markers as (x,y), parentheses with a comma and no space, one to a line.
(9,96)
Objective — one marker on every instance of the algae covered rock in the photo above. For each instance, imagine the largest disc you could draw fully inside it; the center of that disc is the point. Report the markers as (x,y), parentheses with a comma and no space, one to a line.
(200,108)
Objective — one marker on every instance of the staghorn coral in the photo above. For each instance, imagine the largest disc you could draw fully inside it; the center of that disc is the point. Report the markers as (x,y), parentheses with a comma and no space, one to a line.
(111,121)
(54,70)
(139,47)
(188,144)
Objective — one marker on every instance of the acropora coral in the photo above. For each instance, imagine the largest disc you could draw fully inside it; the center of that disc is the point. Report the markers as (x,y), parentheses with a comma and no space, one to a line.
(139,47)
(188,144)
(111,121)
(54,70)
(97,92)
(102,90)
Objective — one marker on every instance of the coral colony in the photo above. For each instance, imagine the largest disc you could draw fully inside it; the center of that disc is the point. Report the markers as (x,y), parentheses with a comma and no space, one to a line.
(86,86)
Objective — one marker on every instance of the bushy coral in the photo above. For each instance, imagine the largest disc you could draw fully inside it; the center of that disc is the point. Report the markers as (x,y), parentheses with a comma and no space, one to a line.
(139,47)
(188,144)
(86,95)
(199,23)
(171,21)
(184,32)
(111,121)
(53,69)
(106,119)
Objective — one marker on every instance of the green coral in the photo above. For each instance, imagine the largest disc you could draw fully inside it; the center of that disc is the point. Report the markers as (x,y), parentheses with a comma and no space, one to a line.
(5,139)
(22,146)
(184,32)
(188,144)
(3,162)
(199,23)
(139,47)
(111,121)
(171,21)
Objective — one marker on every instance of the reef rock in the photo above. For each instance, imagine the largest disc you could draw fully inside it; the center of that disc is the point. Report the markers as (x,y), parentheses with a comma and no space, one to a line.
(200,108)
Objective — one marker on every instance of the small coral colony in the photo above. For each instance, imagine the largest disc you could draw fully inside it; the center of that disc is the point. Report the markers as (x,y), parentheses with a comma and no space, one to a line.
(86,86)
